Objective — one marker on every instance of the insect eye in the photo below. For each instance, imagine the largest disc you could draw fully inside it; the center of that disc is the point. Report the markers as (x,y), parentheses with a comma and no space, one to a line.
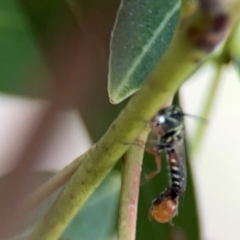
(161,119)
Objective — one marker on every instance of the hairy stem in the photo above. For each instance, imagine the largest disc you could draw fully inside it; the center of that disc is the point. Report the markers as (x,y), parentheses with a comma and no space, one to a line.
(131,171)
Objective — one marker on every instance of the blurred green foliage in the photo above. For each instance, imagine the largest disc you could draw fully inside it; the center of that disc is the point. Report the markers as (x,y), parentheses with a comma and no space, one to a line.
(20,57)
(234,47)
(26,28)
(96,220)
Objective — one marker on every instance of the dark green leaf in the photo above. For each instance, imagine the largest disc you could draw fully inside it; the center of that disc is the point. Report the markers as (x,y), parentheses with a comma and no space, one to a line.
(98,218)
(141,34)
(19,54)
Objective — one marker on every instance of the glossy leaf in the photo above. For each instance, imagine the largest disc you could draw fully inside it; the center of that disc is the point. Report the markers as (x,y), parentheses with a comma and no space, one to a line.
(141,34)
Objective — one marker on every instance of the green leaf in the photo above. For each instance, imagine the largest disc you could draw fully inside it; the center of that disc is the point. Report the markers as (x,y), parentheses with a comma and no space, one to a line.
(141,34)
(22,70)
(98,218)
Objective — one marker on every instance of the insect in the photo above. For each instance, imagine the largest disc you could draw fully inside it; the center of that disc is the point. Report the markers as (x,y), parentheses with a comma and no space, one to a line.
(169,126)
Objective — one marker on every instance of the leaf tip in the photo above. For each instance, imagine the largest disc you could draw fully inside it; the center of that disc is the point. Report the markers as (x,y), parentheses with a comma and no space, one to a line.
(112,101)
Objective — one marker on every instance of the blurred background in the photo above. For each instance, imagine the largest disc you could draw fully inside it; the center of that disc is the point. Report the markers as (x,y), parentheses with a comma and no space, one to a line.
(215,166)
(54,105)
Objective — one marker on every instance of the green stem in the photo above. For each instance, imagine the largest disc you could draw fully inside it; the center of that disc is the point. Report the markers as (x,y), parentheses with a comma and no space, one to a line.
(219,61)
(209,101)
(131,171)
(176,65)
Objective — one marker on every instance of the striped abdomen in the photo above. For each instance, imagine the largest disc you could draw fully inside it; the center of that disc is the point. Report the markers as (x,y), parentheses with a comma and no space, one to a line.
(177,173)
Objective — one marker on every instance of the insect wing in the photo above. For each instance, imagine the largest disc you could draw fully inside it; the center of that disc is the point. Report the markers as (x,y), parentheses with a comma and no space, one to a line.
(152,142)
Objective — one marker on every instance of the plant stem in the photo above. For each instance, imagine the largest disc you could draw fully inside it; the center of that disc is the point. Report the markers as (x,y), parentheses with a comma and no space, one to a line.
(209,101)
(54,183)
(219,60)
(184,54)
(131,171)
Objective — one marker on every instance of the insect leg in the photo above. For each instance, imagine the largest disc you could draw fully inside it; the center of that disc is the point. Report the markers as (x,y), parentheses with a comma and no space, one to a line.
(152,174)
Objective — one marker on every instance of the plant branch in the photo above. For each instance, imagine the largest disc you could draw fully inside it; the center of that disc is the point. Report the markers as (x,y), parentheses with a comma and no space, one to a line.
(222,58)
(131,171)
(207,109)
(57,181)
(192,41)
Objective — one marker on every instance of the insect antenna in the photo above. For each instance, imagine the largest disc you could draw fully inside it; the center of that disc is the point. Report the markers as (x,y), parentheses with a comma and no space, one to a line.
(193,116)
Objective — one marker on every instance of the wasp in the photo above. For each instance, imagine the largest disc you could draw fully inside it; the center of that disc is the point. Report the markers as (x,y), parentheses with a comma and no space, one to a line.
(170,129)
